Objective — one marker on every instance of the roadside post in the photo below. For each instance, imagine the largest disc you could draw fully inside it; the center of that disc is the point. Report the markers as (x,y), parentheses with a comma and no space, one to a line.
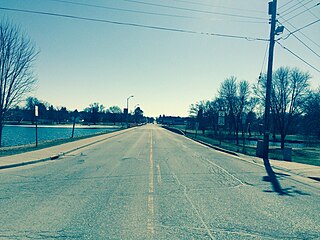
(197,127)
(36,114)
(243,121)
(186,124)
(221,122)
(75,115)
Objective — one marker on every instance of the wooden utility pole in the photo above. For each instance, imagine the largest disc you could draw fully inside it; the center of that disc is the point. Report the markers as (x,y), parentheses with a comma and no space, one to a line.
(273,13)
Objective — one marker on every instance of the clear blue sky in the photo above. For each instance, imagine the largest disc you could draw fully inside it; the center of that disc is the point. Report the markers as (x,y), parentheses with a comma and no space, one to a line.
(82,62)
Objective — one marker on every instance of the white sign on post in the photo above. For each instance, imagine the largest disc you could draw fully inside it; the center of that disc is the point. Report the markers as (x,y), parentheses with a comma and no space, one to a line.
(221,118)
(36,111)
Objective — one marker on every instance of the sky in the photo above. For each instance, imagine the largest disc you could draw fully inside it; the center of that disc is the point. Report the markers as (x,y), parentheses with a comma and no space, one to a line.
(163,52)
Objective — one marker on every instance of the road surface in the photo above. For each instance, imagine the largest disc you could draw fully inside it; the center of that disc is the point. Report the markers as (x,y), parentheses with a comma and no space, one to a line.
(150,183)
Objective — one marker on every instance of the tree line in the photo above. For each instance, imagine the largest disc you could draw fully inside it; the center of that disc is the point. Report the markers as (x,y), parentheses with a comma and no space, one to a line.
(295,107)
(48,114)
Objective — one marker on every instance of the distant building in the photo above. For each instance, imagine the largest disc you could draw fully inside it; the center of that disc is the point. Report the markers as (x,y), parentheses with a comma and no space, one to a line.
(172,120)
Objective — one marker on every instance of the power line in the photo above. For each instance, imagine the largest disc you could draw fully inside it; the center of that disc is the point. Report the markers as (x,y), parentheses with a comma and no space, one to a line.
(315,43)
(264,59)
(194,10)
(284,5)
(294,54)
(303,43)
(119,9)
(299,29)
(211,5)
(307,9)
(133,24)
(289,8)
(143,12)
(285,13)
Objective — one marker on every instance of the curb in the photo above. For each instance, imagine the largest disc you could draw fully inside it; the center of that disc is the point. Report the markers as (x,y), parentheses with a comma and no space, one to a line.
(214,147)
(178,131)
(57,156)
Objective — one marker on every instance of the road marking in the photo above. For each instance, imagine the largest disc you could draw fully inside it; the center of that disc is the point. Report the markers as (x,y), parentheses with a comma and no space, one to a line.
(194,207)
(159,174)
(150,223)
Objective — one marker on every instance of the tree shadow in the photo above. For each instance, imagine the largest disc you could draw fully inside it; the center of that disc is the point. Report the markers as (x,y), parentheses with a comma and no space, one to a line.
(272,177)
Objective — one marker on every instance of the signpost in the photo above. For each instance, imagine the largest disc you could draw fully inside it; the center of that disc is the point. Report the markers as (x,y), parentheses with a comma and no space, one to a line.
(243,121)
(75,114)
(36,114)
(197,127)
(221,122)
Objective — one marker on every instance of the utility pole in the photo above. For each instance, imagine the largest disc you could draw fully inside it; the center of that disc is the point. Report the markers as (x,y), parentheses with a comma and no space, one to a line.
(273,13)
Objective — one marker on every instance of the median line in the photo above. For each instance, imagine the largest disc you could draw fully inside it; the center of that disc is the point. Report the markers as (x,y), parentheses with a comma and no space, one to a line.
(150,220)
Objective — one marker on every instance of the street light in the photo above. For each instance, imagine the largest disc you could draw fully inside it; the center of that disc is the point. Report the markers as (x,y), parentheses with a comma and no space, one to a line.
(128,110)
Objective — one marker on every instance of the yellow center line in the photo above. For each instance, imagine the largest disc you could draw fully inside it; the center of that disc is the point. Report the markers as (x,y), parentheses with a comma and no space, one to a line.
(150,224)
(159,174)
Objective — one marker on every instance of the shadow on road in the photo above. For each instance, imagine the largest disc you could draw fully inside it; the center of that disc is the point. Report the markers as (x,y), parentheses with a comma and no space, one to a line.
(272,177)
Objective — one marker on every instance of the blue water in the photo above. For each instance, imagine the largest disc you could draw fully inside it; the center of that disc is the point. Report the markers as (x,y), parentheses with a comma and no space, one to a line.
(19,135)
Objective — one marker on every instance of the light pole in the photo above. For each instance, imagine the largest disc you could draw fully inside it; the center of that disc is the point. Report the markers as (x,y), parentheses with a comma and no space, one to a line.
(128,110)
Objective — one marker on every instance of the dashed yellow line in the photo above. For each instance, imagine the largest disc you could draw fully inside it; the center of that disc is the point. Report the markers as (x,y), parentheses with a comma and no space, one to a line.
(150,223)
(159,174)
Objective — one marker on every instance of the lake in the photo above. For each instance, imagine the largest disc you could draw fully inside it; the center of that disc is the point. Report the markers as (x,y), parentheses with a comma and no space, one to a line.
(21,135)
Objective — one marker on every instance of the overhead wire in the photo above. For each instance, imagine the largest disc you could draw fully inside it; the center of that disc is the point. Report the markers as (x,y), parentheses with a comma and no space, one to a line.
(297,56)
(287,22)
(301,28)
(282,6)
(264,61)
(133,24)
(145,12)
(194,10)
(119,9)
(306,10)
(215,6)
(303,43)
(285,13)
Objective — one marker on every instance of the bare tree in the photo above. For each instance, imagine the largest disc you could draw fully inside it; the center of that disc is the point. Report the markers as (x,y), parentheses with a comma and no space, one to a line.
(236,96)
(289,91)
(17,54)
(311,119)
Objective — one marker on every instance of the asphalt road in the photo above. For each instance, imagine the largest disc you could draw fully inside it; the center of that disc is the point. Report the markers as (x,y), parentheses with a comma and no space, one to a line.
(150,183)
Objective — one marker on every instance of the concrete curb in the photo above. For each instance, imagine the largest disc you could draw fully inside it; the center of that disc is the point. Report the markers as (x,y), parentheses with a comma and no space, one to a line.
(57,156)
(215,147)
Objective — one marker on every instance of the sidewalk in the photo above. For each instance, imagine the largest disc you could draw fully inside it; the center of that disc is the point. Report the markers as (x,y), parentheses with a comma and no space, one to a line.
(309,172)
(52,153)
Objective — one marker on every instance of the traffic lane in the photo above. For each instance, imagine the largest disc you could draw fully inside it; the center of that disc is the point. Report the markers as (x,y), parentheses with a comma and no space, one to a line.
(227,195)
(99,193)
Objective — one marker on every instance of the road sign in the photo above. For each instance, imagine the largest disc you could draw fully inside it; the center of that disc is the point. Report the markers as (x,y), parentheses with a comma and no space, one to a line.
(221,118)
(36,111)
(197,125)
(221,114)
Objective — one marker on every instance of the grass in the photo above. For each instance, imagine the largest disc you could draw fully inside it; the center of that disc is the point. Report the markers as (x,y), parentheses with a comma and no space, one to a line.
(306,155)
